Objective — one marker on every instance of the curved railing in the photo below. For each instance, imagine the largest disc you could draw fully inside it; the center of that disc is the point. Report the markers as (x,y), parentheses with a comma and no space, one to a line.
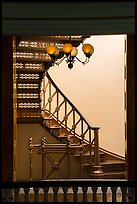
(57,105)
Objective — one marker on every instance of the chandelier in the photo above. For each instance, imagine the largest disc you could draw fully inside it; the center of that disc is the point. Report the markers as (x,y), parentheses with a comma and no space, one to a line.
(68,53)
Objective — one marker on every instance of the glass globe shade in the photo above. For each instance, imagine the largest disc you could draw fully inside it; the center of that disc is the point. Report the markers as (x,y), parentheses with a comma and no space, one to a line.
(88,49)
(74,52)
(67,48)
(57,52)
(51,49)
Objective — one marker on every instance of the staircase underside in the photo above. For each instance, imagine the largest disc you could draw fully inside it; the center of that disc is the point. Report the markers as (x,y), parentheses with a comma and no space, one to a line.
(30,72)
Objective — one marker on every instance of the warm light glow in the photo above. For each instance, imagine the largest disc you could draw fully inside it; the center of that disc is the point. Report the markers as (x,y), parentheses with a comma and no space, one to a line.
(67,48)
(68,52)
(74,52)
(57,52)
(51,49)
(88,49)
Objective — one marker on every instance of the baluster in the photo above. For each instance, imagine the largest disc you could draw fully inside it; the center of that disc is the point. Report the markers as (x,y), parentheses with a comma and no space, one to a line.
(55,190)
(36,191)
(84,189)
(30,159)
(65,114)
(68,152)
(46,189)
(43,93)
(26,196)
(16,194)
(7,195)
(65,189)
(90,148)
(114,189)
(49,99)
(94,189)
(82,149)
(45,90)
(104,190)
(96,151)
(75,195)
(74,122)
(97,169)
(131,194)
(124,193)
(57,106)
(43,143)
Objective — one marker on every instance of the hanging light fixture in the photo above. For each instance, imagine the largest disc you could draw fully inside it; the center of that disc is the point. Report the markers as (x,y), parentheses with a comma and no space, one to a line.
(69,53)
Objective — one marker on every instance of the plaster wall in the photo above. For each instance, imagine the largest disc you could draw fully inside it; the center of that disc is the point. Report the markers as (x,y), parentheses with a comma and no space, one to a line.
(97,88)
(37,132)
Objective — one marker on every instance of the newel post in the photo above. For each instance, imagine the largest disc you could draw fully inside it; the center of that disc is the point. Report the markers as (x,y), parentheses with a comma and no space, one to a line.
(96,168)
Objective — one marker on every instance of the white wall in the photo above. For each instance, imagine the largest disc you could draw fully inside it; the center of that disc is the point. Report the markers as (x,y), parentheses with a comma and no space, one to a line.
(97,88)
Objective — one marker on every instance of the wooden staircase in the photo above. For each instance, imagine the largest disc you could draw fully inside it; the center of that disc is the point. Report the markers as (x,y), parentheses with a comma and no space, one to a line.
(28,94)
(36,92)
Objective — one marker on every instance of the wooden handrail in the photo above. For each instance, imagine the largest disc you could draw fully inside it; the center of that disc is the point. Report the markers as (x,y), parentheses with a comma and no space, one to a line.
(68,116)
(69,182)
(73,111)
(123,189)
(71,104)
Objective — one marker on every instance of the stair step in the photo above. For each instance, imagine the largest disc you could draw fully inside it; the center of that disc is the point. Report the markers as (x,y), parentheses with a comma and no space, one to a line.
(28,100)
(29,110)
(28,91)
(55,127)
(29,120)
(64,136)
(31,81)
(35,60)
(33,113)
(117,175)
(88,155)
(30,71)
(47,118)
(113,166)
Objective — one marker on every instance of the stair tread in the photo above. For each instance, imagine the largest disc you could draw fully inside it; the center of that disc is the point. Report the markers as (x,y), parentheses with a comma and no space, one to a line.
(87,154)
(47,118)
(29,120)
(28,81)
(21,90)
(29,71)
(30,100)
(55,127)
(111,173)
(112,162)
(67,135)
(62,136)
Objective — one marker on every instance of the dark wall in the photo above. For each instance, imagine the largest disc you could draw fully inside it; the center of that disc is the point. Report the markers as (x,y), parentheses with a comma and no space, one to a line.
(7,109)
(119,18)
(131,107)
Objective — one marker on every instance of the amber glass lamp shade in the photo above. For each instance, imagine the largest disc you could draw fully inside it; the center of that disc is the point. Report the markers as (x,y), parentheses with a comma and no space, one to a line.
(88,49)
(57,52)
(52,49)
(74,52)
(67,48)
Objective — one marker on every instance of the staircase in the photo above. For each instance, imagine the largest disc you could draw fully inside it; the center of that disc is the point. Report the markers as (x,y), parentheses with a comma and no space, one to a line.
(40,101)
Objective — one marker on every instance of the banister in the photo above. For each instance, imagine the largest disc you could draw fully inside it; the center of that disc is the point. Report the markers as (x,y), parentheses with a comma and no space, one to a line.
(77,125)
(123,189)
(71,104)
(69,182)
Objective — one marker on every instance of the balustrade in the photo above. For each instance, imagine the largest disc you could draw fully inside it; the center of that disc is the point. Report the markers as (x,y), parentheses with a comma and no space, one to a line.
(65,190)
(57,105)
